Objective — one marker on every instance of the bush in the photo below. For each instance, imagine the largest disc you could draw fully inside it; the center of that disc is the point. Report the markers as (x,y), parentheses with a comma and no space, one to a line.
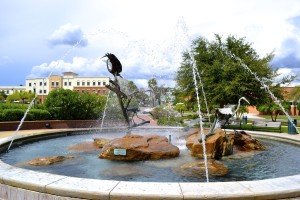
(13,114)
(71,105)
(38,114)
(18,114)
(165,121)
(159,112)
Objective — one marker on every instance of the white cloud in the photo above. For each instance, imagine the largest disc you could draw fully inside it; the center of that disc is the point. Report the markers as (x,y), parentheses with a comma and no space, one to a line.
(68,34)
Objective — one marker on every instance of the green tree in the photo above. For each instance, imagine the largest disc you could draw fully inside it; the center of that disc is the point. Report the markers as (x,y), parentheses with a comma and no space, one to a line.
(224,78)
(180,107)
(3,96)
(153,86)
(64,104)
(272,108)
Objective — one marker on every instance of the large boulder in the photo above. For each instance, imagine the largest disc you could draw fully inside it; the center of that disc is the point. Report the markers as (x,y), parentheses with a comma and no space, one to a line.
(244,142)
(137,147)
(217,145)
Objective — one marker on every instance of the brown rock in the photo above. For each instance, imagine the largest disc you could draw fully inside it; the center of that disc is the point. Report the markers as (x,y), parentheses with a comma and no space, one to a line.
(48,160)
(85,146)
(100,142)
(245,142)
(197,169)
(125,170)
(137,147)
(217,145)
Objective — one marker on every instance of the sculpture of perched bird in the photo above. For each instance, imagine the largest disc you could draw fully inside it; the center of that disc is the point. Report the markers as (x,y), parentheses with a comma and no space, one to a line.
(113,64)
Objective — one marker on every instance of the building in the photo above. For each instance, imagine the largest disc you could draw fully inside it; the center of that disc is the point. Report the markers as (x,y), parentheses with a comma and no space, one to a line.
(69,80)
(8,90)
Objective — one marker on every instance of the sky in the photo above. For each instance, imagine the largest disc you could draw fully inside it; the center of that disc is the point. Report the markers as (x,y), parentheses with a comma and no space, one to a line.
(43,38)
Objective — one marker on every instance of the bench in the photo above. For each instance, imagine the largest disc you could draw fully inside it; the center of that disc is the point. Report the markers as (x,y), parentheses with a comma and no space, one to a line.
(234,123)
(258,124)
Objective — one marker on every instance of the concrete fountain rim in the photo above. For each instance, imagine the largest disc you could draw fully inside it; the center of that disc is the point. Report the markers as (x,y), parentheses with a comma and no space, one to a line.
(40,185)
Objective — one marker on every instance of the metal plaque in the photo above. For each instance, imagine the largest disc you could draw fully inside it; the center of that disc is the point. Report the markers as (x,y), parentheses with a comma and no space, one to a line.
(120,152)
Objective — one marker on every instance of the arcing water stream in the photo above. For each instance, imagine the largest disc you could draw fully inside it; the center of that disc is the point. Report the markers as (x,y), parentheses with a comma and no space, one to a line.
(275,99)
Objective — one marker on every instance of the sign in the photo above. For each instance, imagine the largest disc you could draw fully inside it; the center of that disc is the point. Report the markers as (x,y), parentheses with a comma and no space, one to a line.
(120,152)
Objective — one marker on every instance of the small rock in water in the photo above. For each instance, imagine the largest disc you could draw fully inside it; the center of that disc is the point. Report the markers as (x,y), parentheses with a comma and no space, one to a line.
(84,146)
(48,160)
(197,169)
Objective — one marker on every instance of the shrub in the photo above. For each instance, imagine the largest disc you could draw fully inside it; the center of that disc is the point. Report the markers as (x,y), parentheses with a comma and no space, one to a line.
(38,114)
(167,121)
(18,114)
(13,114)
(159,112)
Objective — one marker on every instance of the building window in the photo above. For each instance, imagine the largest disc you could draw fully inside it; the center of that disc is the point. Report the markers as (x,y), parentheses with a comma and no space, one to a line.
(104,83)
(52,83)
(41,83)
(57,84)
(41,91)
(45,91)
(94,83)
(88,83)
(88,91)
(104,91)
(45,83)
(83,83)
(29,84)
(99,91)
(66,83)
(78,83)
(70,83)
(94,91)
(99,83)
(82,91)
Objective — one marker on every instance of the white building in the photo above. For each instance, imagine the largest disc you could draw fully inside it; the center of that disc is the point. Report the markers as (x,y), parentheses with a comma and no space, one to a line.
(8,90)
(69,80)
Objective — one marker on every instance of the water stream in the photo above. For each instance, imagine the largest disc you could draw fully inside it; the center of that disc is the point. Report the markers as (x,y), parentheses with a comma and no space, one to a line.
(275,99)
(21,122)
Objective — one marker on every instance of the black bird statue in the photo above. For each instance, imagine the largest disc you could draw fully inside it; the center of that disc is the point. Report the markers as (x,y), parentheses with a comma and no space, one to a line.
(113,64)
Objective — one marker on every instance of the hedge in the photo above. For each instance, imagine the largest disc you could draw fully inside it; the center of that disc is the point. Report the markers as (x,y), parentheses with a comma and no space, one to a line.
(18,114)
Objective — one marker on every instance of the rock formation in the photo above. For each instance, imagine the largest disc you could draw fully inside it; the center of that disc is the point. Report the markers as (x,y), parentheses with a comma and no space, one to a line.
(221,144)
(217,145)
(244,142)
(137,147)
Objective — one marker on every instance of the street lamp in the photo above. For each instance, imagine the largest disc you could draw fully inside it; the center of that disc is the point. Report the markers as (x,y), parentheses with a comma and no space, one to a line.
(34,91)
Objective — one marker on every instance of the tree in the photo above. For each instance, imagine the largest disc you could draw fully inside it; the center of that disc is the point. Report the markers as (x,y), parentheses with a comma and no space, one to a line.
(224,78)
(272,108)
(152,84)
(180,107)
(3,96)
(64,104)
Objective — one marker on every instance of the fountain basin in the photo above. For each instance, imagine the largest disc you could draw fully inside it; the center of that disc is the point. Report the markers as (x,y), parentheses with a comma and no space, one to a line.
(22,183)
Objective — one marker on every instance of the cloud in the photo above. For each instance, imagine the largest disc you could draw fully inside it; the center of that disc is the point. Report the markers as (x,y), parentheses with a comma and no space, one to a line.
(68,34)
(79,65)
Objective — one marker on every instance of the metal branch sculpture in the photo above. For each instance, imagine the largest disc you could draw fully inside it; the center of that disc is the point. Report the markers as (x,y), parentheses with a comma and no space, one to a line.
(114,66)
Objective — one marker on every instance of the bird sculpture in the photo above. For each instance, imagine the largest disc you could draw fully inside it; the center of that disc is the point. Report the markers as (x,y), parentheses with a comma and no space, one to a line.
(224,114)
(113,64)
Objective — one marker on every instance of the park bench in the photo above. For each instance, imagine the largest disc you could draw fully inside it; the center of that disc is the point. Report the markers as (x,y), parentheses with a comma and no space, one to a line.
(233,122)
(259,124)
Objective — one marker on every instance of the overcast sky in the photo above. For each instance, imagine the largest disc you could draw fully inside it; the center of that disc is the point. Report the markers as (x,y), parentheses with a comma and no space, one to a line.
(43,37)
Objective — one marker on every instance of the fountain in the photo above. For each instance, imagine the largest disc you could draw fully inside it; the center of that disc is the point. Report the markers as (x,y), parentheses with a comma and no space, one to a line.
(21,183)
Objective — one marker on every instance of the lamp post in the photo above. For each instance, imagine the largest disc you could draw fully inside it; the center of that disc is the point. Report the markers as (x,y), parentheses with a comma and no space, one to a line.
(34,91)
